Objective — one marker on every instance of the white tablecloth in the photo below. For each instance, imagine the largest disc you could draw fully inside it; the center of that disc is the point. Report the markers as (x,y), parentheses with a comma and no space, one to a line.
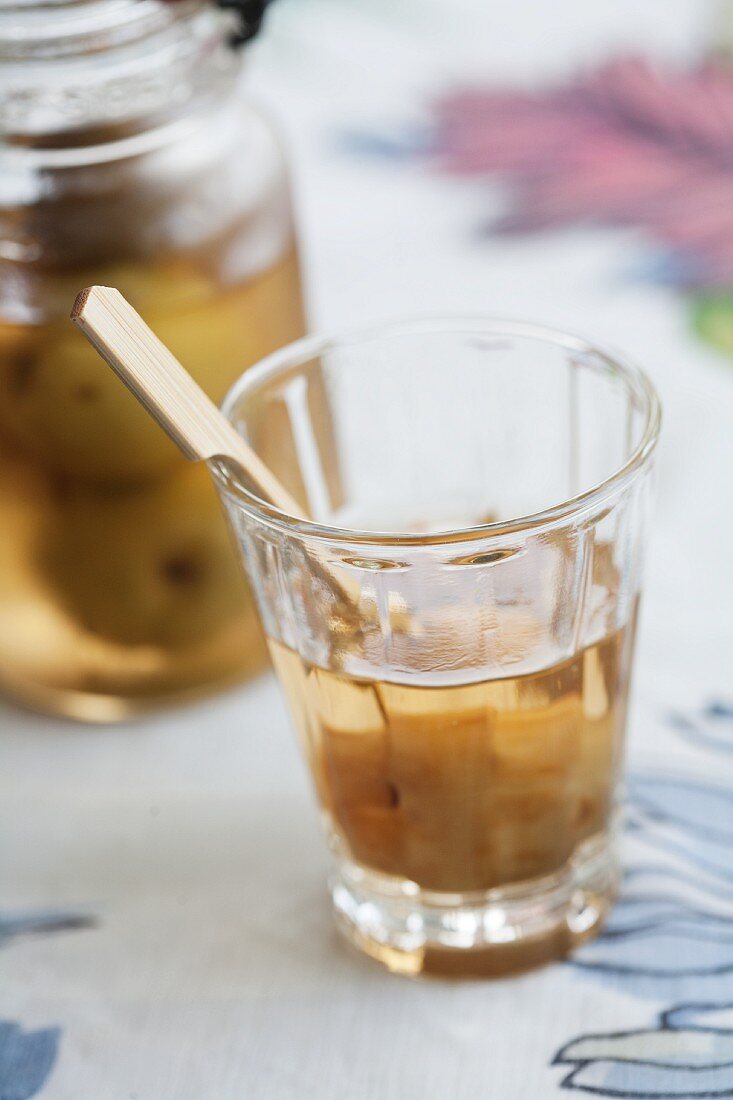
(163,916)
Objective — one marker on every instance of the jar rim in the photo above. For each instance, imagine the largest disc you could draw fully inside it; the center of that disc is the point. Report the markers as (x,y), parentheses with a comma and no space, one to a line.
(57,29)
(71,70)
(637,381)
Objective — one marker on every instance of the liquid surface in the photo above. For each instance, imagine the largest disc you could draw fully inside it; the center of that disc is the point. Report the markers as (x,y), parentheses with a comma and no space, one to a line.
(469,787)
(119,585)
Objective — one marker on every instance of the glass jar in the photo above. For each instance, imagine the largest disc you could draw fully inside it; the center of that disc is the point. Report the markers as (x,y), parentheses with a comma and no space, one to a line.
(128,158)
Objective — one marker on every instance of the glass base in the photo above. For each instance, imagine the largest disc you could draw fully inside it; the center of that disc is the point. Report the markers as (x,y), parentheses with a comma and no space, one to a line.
(499,932)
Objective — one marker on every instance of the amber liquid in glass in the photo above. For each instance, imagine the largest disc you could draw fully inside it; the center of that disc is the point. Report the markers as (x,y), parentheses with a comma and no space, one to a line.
(469,787)
(119,585)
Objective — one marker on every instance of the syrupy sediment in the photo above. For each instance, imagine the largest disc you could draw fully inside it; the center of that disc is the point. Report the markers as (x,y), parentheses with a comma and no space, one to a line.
(469,787)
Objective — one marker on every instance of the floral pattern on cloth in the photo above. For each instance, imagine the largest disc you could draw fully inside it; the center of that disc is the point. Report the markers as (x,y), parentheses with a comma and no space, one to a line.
(42,922)
(630,143)
(670,937)
(689,1054)
(27,1057)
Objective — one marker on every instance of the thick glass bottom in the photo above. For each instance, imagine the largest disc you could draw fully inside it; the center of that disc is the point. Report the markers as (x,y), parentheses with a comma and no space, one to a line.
(491,934)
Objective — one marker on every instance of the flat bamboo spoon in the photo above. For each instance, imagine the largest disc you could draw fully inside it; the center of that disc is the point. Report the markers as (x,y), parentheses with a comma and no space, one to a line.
(191,419)
(168,391)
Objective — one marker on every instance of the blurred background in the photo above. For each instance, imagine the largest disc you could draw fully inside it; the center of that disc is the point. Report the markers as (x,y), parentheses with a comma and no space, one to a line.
(565,163)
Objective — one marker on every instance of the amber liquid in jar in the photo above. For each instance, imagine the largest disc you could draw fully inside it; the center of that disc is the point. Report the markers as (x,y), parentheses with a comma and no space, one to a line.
(466,787)
(119,584)
(132,158)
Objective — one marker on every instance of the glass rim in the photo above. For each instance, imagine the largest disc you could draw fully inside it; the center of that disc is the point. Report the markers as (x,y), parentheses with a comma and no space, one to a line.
(306,348)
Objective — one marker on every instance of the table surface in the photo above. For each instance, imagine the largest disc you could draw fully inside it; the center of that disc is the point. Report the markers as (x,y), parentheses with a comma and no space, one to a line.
(164,926)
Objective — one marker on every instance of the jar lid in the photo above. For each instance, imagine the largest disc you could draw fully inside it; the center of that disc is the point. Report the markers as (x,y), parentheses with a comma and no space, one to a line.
(57,28)
(38,29)
(71,64)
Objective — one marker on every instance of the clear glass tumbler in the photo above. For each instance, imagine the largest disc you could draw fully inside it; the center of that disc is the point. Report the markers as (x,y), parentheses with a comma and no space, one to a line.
(454,624)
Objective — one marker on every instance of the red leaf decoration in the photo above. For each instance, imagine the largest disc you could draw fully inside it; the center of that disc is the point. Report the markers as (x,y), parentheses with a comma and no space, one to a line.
(629,144)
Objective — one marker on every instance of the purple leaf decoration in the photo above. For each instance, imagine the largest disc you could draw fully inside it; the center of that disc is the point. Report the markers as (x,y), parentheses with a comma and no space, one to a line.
(629,144)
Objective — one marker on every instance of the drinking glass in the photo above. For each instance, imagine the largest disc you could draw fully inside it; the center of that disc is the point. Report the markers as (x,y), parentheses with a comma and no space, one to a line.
(453,625)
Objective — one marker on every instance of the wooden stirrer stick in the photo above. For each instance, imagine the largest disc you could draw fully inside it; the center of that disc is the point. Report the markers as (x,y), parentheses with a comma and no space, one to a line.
(168,391)
(182,409)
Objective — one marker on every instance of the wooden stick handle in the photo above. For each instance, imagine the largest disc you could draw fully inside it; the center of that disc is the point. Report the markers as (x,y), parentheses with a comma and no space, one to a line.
(168,392)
